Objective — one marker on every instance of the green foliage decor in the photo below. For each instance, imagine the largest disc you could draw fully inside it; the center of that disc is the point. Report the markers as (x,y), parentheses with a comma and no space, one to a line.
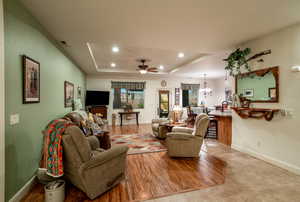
(236,61)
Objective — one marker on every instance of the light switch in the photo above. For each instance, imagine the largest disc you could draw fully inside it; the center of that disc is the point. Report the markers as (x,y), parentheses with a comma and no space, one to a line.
(14,119)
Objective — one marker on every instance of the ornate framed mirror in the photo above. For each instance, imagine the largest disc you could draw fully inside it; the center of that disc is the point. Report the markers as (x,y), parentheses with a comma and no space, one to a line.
(260,86)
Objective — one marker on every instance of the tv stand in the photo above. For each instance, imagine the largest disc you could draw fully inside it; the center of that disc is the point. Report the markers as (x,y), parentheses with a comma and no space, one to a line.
(99,109)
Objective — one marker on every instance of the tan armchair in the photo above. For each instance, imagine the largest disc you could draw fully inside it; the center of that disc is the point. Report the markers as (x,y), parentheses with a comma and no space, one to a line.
(89,168)
(187,142)
(158,128)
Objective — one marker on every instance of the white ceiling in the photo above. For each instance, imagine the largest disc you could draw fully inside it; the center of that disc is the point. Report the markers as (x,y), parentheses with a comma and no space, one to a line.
(159,29)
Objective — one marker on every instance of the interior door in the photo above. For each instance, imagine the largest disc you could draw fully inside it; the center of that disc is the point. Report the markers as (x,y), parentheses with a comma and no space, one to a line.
(164,103)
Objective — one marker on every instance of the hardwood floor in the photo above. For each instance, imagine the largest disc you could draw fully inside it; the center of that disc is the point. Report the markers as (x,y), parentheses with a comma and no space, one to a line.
(152,175)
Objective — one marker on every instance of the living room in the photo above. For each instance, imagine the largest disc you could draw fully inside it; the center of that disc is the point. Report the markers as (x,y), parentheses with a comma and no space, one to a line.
(198,100)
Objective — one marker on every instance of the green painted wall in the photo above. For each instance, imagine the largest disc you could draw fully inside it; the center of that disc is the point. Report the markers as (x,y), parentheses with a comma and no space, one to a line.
(24,35)
(260,85)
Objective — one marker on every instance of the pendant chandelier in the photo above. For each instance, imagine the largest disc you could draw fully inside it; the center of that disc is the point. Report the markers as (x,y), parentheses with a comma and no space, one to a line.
(206,91)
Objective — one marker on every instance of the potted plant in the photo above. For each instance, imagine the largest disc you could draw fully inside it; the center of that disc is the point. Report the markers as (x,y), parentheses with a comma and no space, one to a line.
(237,61)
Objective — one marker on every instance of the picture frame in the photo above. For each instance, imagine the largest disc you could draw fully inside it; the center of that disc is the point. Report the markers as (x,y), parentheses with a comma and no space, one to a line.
(177,96)
(68,94)
(79,92)
(228,95)
(272,93)
(248,92)
(31,80)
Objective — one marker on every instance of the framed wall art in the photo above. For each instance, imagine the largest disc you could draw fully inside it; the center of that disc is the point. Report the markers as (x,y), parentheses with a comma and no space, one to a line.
(69,94)
(31,80)
(79,92)
(248,92)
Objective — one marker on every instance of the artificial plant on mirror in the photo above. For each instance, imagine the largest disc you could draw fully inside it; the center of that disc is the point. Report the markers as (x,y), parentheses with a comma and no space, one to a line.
(237,61)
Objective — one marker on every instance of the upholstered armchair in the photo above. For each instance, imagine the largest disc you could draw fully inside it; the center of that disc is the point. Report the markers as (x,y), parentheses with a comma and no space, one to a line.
(187,142)
(90,168)
(158,128)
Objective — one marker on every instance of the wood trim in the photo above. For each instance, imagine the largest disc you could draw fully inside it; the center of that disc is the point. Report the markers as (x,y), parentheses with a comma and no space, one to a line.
(2,107)
(262,72)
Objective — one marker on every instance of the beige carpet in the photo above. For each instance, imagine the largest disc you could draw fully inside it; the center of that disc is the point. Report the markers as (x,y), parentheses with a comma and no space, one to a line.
(247,180)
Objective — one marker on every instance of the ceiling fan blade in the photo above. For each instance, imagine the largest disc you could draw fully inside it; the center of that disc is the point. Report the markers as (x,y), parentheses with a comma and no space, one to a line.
(155,71)
(152,68)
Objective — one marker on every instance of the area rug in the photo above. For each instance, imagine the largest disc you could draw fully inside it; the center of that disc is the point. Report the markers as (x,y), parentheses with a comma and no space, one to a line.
(138,143)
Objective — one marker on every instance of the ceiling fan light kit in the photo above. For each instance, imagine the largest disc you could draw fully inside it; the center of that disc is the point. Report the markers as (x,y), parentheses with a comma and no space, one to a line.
(143,71)
(143,68)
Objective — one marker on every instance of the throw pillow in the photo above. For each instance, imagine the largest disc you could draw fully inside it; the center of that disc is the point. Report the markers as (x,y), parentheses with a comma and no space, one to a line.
(98,120)
(85,128)
(91,117)
(95,128)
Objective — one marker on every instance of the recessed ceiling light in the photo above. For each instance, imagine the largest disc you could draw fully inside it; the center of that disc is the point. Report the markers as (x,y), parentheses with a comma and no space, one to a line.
(161,67)
(115,49)
(180,55)
(113,65)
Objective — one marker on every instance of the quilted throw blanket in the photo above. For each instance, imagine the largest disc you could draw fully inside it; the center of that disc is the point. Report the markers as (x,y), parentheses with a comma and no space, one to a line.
(52,156)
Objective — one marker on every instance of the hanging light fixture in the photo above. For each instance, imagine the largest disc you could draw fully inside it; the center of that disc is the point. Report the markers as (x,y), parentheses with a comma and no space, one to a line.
(206,91)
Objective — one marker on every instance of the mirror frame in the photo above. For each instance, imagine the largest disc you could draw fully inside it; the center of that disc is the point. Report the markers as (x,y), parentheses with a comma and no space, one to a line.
(262,72)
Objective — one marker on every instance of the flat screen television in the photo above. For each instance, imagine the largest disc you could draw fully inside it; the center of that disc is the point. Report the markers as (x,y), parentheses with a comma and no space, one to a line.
(96,98)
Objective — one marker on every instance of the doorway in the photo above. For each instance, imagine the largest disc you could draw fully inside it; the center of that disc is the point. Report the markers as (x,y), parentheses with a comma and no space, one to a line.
(164,102)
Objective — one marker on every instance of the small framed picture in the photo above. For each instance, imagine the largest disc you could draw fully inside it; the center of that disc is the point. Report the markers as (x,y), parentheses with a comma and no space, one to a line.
(248,92)
(272,93)
(31,80)
(69,94)
(79,92)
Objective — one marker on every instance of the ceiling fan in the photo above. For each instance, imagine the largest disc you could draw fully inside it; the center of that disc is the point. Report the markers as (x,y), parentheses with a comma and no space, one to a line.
(143,68)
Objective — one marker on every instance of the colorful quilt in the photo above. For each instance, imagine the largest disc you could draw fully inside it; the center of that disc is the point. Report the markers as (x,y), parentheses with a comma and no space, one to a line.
(52,157)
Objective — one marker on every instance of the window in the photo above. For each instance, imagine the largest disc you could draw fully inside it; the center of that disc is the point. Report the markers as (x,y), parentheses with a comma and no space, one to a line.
(190,97)
(124,97)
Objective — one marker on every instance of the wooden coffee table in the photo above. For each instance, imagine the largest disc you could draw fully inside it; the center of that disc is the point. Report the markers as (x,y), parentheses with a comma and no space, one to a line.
(171,125)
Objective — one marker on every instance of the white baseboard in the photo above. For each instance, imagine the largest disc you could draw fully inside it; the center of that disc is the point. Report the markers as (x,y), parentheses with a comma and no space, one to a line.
(24,190)
(279,163)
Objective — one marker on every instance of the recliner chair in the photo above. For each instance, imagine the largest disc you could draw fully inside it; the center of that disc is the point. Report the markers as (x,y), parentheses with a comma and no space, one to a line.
(158,128)
(187,142)
(89,168)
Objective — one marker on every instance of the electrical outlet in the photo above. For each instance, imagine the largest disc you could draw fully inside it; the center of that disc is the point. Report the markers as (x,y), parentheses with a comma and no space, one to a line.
(14,119)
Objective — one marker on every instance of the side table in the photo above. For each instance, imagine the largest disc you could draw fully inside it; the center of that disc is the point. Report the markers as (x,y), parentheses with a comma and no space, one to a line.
(104,139)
